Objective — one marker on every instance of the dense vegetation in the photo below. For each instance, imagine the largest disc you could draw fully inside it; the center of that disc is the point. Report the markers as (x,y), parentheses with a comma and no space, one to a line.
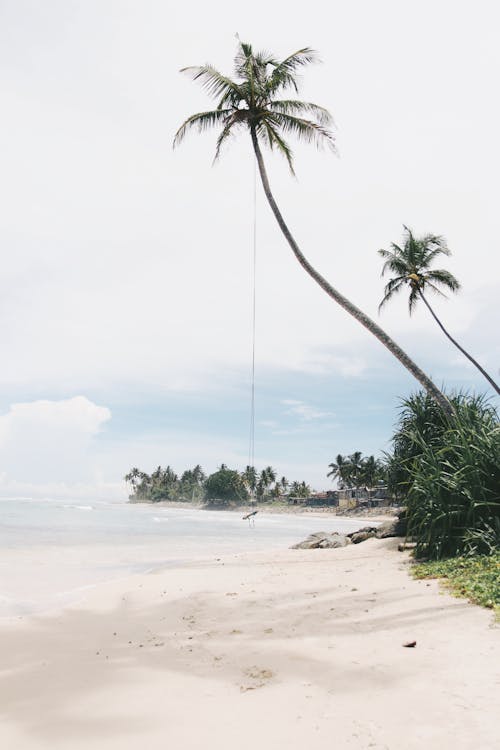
(223,487)
(448,473)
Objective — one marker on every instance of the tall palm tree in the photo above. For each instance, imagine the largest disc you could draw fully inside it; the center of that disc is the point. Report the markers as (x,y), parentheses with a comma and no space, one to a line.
(252,101)
(411,265)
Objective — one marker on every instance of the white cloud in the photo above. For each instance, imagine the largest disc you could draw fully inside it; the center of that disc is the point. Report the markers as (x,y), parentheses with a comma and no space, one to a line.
(304,411)
(49,441)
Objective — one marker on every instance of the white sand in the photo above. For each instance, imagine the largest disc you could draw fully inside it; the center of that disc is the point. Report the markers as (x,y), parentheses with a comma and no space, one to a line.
(299,649)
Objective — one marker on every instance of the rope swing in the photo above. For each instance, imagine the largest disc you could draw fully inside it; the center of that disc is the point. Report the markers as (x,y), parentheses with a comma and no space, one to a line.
(251,441)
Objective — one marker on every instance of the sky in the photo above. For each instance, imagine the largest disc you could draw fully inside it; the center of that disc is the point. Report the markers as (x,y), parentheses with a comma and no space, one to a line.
(126,274)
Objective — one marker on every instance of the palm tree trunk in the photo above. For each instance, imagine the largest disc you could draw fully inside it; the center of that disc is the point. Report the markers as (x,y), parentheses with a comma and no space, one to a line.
(469,357)
(391,345)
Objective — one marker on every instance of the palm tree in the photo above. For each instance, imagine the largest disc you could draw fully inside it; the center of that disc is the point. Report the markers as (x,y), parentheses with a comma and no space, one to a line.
(411,266)
(266,478)
(340,470)
(356,467)
(249,477)
(371,471)
(252,102)
(133,477)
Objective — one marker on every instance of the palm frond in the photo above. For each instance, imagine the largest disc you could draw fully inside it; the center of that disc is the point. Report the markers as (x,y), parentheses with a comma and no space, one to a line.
(435,239)
(202,121)
(296,107)
(430,255)
(223,136)
(304,130)
(391,288)
(214,83)
(429,285)
(441,276)
(413,298)
(284,74)
(393,263)
(274,139)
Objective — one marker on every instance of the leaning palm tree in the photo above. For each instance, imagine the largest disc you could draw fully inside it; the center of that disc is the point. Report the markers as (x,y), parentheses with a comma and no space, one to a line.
(411,265)
(253,102)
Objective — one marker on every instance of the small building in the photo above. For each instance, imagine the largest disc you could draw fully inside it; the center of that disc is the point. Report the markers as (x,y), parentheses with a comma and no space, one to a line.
(353,497)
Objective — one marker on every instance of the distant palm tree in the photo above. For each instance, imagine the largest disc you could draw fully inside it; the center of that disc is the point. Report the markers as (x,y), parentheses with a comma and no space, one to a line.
(268,475)
(340,469)
(411,266)
(356,468)
(249,477)
(253,102)
(266,478)
(300,489)
(133,477)
(371,471)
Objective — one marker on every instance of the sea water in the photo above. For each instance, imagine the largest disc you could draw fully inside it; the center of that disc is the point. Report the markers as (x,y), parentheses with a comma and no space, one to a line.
(51,550)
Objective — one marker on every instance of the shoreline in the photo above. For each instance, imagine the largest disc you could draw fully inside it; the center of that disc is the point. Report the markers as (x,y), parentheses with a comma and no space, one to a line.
(384,513)
(289,648)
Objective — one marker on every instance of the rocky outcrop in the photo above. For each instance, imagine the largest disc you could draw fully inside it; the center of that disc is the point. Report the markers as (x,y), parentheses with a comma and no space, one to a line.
(323,540)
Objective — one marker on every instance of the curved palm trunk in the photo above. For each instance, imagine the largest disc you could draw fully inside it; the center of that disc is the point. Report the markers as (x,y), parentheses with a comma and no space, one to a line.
(469,357)
(391,345)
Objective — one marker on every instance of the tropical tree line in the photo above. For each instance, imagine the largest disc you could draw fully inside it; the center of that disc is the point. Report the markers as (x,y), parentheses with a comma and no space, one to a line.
(357,471)
(222,487)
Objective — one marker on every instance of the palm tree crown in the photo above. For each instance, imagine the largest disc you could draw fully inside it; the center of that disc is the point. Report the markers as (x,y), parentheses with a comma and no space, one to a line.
(411,266)
(253,101)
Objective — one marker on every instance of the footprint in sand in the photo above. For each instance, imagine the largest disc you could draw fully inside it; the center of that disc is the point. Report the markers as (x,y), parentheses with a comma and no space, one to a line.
(258,676)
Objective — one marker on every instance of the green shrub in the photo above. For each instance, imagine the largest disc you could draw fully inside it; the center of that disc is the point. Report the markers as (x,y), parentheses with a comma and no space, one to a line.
(451,475)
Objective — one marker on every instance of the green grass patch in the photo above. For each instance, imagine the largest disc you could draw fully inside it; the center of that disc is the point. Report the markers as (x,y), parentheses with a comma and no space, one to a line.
(475,578)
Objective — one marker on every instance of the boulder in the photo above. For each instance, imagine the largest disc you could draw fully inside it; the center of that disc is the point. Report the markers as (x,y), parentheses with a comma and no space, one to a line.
(362,535)
(394,527)
(332,541)
(323,540)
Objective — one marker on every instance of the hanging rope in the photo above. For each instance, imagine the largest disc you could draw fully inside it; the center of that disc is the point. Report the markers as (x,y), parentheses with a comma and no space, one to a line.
(251,442)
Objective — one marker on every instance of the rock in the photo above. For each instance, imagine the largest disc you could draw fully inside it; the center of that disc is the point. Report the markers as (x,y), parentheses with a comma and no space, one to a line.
(332,541)
(363,529)
(394,527)
(323,540)
(361,536)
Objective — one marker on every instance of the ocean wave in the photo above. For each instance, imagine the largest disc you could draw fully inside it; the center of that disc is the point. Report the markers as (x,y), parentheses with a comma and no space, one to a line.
(79,507)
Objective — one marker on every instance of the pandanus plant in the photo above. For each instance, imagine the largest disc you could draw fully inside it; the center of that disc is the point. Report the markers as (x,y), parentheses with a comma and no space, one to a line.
(253,101)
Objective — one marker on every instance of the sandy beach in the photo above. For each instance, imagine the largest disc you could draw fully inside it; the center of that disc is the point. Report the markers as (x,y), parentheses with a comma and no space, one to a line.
(287,649)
